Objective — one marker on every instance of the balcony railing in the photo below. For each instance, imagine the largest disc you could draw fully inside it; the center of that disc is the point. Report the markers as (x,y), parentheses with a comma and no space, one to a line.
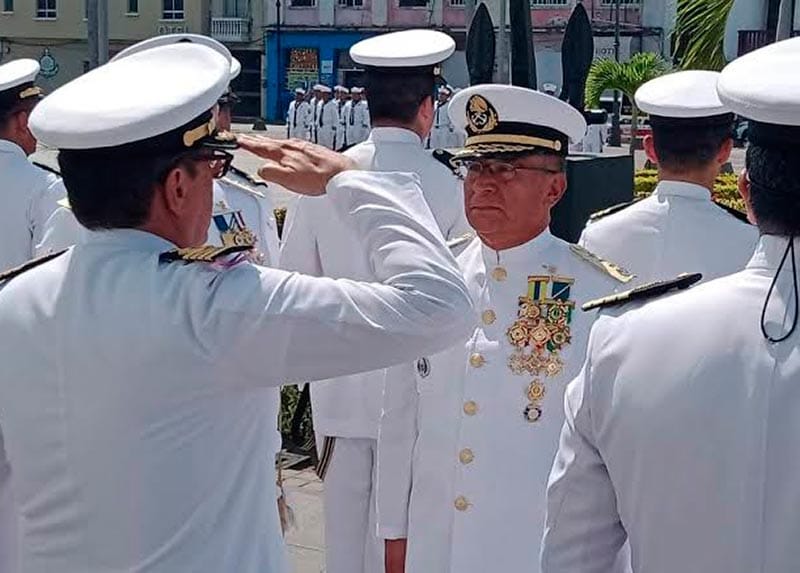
(750,40)
(230,29)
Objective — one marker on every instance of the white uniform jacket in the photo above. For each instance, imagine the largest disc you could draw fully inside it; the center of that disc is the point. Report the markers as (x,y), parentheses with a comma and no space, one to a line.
(28,200)
(243,214)
(327,122)
(681,434)
(343,110)
(132,400)
(442,133)
(677,229)
(358,124)
(318,244)
(298,119)
(471,432)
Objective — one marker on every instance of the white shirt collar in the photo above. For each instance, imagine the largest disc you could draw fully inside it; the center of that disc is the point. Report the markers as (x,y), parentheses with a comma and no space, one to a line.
(129,239)
(682,189)
(524,253)
(7,146)
(770,251)
(394,135)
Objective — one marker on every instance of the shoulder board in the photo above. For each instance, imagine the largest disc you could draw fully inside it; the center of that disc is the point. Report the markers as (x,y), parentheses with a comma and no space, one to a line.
(443,156)
(16,271)
(650,290)
(251,178)
(47,168)
(735,212)
(242,187)
(205,254)
(613,270)
(461,240)
(597,215)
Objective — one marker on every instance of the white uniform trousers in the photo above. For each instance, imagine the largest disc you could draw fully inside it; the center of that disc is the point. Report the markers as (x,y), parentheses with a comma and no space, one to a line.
(351,540)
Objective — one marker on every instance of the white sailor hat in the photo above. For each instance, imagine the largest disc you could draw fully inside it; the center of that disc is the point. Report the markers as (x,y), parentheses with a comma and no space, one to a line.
(356,90)
(300,91)
(405,49)
(338,88)
(505,120)
(156,101)
(324,89)
(317,87)
(166,39)
(764,87)
(16,82)
(683,99)
(445,90)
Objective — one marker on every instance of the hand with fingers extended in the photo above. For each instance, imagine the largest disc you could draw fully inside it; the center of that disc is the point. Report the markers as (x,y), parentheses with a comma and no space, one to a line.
(298,165)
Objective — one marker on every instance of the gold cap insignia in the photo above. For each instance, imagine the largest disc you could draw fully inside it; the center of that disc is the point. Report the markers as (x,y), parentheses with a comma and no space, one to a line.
(481,115)
(194,135)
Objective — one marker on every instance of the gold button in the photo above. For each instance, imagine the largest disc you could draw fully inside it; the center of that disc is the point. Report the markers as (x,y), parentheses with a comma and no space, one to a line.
(470,408)
(499,274)
(461,503)
(488,317)
(466,456)
(476,360)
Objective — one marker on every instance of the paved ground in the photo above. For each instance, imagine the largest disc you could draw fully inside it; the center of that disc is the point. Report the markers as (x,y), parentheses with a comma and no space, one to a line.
(306,541)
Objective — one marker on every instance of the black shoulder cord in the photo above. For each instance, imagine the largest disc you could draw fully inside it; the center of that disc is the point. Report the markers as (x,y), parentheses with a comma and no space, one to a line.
(789,249)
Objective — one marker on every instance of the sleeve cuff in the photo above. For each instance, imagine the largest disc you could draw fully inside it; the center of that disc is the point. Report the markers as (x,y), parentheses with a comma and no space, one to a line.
(389,532)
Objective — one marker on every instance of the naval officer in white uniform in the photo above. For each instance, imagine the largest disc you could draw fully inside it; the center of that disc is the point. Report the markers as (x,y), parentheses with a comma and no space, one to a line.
(400,79)
(298,118)
(132,400)
(682,427)
(679,228)
(358,122)
(468,435)
(29,194)
(442,131)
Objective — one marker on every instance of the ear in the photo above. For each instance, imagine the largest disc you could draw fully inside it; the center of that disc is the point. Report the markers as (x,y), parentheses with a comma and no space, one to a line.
(558,186)
(743,184)
(725,150)
(650,148)
(175,191)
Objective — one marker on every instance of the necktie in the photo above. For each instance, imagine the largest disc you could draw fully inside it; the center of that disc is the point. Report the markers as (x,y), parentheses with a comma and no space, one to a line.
(294,121)
(352,113)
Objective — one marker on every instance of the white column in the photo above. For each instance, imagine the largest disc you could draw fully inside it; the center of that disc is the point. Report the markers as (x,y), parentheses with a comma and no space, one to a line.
(438,12)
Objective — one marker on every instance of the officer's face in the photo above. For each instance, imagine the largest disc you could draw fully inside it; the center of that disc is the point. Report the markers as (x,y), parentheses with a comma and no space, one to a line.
(508,202)
(188,198)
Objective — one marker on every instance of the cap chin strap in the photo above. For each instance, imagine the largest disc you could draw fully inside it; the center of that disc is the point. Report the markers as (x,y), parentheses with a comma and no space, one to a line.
(789,249)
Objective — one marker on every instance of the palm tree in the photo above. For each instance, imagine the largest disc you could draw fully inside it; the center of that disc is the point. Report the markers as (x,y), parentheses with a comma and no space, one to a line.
(625,77)
(700,33)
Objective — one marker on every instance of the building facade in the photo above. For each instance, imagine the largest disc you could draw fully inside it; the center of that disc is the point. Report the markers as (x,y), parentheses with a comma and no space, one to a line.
(307,41)
(54,32)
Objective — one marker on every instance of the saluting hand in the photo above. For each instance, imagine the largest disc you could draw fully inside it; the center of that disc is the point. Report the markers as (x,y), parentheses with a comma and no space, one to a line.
(298,165)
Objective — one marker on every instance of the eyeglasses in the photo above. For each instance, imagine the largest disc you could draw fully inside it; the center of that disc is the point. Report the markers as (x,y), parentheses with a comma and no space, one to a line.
(219,162)
(500,169)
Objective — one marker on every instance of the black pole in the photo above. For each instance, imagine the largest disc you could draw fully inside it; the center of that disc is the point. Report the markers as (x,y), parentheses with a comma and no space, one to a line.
(616,134)
(278,71)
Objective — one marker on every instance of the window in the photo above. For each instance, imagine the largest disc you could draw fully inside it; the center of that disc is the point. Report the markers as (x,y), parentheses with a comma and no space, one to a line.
(46,9)
(173,10)
(351,3)
(413,3)
(622,2)
(303,3)
(133,7)
(548,3)
(234,9)
(8,5)
(459,3)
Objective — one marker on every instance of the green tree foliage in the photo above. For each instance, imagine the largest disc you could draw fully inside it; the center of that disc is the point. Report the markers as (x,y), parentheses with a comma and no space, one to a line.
(626,77)
(700,33)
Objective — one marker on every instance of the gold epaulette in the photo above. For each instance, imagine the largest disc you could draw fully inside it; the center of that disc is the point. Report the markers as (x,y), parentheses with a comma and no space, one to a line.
(596,216)
(16,271)
(461,240)
(732,211)
(650,290)
(47,168)
(611,269)
(205,254)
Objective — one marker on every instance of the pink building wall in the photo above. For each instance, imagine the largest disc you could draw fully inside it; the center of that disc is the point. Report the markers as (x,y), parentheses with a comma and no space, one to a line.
(301,16)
